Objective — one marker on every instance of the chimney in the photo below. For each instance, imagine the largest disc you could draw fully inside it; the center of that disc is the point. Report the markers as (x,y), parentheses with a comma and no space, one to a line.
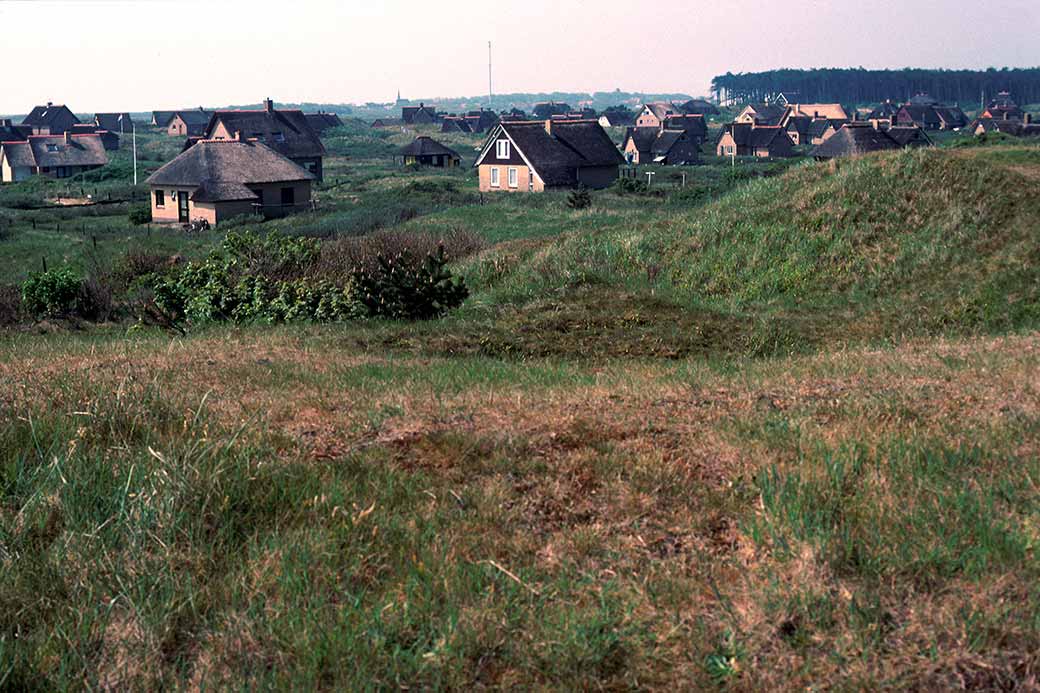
(815,115)
(68,137)
(1006,115)
(548,125)
(49,104)
(268,105)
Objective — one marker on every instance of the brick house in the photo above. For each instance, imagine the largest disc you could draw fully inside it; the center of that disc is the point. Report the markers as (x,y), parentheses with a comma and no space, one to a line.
(285,131)
(545,155)
(749,139)
(54,156)
(761,114)
(654,114)
(188,123)
(219,179)
(52,119)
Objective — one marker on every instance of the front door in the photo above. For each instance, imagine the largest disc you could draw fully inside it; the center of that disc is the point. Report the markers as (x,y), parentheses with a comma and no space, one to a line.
(182,207)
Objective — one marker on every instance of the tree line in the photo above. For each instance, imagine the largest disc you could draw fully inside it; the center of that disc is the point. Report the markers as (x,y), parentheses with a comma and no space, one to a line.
(861,86)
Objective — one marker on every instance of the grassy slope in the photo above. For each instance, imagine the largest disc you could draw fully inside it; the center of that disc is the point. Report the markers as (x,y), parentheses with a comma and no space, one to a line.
(527,492)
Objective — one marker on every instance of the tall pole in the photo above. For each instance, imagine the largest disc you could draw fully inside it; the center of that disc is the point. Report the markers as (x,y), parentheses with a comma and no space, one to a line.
(135,154)
(489,74)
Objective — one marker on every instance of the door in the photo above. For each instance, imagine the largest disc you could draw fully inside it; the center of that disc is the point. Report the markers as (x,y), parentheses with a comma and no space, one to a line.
(182,207)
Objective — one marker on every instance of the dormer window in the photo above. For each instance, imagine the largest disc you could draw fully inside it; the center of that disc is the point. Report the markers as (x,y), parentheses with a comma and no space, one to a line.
(278,136)
(502,149)
(52,148)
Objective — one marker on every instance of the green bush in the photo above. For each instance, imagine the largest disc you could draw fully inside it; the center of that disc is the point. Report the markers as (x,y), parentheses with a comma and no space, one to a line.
(51,294)
(579,199)
(403,287)
(140,215)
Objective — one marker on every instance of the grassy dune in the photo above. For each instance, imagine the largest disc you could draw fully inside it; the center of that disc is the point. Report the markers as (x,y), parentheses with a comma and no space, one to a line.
(786,439)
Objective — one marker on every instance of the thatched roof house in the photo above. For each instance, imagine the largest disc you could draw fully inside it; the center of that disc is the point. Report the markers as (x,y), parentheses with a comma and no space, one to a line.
(856,139)
(426,151)
(321,121)
(56,156)
(219,179)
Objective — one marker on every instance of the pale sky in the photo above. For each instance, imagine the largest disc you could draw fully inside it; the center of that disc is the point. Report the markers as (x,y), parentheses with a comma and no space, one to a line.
(158,54)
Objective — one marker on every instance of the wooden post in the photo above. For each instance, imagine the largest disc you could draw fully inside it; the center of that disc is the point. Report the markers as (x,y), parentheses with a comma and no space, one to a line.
(95,242)
(44,264)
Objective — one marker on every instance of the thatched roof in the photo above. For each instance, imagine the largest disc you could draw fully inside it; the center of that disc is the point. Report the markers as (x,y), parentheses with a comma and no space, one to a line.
(855,139)
(57,150)
(426,146)
(285,131)
(557,157)
(320,122)
(45,116)
(221,170)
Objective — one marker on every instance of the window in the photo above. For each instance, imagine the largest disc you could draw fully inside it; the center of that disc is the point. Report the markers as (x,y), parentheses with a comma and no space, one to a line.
(278,136)
(502,149)
(288,196)
(494,178)
(160,198)
(512,178)
(52,147)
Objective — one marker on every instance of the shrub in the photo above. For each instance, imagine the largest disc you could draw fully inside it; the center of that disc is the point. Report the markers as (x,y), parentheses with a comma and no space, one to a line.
(579,199)
(405,288)
(51,294)
(140,215)
(631,186)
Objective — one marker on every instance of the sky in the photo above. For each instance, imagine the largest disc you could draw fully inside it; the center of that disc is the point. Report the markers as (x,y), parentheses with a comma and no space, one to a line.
(155,54)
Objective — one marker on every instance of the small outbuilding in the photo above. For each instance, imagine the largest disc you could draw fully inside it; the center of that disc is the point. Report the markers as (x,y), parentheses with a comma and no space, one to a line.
(426,151)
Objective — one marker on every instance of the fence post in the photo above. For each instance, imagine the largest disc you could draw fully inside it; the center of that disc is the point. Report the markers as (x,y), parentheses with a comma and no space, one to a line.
(44,264)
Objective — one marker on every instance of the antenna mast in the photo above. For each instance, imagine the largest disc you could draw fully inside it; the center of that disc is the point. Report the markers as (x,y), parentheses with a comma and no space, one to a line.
(489,74)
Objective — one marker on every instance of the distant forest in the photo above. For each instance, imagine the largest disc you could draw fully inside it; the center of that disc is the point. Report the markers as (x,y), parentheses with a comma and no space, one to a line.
(860,86)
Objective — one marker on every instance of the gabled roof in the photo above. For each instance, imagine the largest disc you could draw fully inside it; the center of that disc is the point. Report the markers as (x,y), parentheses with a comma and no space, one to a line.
(426,146)
(410,113)
(455,124)
(114,122)
(764,136)
(951,115)
(818,128)
(854,139)
(285,131)
(908,136)
(557,157)
(193,117)
(547,109)
(690,122)
(923,99)
(43,116)
(53,150)
(921,114)
(766,113)
(320,122)
(617,118)
(643,138)
(9,132)
(832,111)
(662,109)
(699,106)
(163,118)
(221,170)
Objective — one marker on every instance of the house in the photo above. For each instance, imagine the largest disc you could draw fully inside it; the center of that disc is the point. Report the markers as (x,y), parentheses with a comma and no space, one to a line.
(617,117)
(699,107)
(455,124)
(546,155)
(481,121)
(814,111)
(543,110)
(188,123)
(930,116)
(219,179)
(653,115)
(1002,107)
(285,131)
(51,119)
(761,114)
(419,115)
(425,151)
(387,123)
(513,114)
(320,121)
(821,130)
(54,156)
(120,123)
(110,140)
(691,123)
(858,138)
(1015,128)
(666,147)
(162,118)
(885,111)
(750,139)
(9,132)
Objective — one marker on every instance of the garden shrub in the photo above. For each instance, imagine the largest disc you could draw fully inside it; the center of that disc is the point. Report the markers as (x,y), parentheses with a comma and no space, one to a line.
(139,215)
(51,294)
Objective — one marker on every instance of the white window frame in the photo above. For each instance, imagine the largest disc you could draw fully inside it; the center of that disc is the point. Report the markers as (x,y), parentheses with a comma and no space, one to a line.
(495,178)
(502,149)
(513,177)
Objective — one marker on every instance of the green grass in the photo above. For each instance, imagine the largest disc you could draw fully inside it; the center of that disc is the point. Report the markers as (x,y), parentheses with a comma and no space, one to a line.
(776,430)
